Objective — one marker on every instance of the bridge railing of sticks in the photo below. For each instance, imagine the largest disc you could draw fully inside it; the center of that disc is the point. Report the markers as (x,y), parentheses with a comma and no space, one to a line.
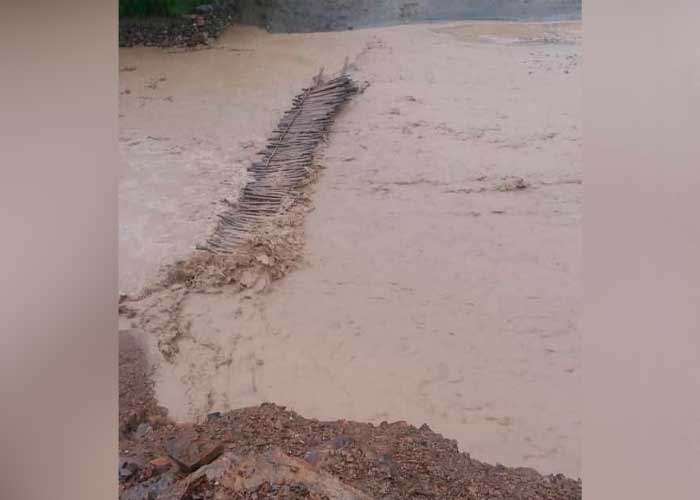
(286,164)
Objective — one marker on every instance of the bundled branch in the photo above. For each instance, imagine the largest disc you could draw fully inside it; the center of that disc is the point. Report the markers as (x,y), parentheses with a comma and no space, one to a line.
(286,165)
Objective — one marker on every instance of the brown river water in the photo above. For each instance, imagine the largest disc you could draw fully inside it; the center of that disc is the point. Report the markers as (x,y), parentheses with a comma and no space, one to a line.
(432,290)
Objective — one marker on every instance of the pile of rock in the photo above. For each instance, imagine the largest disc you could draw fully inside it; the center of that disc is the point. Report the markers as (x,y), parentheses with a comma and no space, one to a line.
(263,475)
(268,452)
(198,28)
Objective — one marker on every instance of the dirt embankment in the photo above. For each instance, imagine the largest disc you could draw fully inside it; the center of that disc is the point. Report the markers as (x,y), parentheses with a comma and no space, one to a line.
(268,452)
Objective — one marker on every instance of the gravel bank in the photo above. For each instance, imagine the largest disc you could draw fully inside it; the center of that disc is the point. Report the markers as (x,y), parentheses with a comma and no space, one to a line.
(201,27)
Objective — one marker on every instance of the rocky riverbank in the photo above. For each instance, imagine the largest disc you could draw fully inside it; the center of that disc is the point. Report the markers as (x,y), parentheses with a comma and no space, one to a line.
(199,28)
(269,452)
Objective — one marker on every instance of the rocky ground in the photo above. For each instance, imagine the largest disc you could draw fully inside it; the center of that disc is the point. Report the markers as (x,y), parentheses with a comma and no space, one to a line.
(199,28)
(268,452)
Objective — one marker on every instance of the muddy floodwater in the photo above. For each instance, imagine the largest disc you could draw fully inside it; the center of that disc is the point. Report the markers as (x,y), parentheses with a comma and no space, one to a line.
(441,275)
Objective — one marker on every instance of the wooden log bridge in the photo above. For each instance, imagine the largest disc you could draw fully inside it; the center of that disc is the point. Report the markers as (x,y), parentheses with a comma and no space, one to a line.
(286,164)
